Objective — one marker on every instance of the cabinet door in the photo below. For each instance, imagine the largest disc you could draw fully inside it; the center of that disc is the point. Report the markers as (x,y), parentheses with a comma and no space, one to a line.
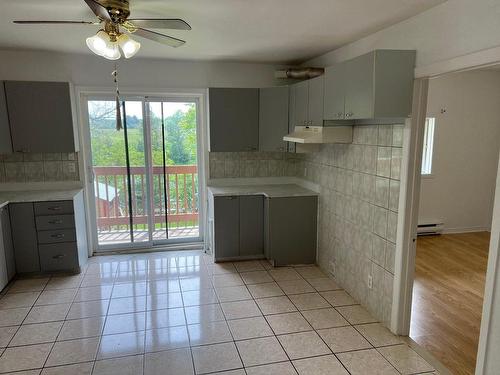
(7,242)
(359,100)
(227,227)
(40,116)
(24,237)
(273,118)
(4,279)
(334,101)
(291,114)
(5,139)
(301,103)
(315,103)
(291,230)
(251,225)
(234,119)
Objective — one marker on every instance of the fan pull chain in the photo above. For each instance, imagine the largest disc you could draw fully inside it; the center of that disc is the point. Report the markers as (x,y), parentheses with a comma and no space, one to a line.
(118,109)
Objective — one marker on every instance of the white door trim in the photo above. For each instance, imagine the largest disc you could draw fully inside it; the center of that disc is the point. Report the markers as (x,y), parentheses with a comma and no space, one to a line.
(408,207)
(409,203)
(82,93)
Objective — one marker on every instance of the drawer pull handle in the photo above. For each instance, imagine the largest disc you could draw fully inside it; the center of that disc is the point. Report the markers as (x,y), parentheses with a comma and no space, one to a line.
(60,256)
(55,208)
(58,235)
(55,222)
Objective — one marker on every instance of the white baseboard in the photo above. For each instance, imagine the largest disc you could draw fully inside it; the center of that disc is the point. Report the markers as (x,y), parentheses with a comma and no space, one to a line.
(466,230)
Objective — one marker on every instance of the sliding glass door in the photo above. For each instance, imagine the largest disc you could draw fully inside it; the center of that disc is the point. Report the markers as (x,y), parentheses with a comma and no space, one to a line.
(145,175)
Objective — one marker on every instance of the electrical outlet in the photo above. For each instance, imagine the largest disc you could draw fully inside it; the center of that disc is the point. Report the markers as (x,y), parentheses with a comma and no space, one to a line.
(370,282)
(332,268)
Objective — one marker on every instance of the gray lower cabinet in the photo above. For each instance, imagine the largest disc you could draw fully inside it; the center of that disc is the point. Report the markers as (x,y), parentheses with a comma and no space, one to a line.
(291,230)
(239,227)
(251,225)
(234,119)
(24,237)
(49,236)
(40,116)
(8,247)
(227,227)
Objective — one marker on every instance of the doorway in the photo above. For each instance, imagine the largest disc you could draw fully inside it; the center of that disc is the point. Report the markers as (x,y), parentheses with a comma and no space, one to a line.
(460,141)
(144,177)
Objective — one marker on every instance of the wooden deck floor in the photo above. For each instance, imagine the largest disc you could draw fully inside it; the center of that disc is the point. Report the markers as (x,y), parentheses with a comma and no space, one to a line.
(448,297)
(123,236)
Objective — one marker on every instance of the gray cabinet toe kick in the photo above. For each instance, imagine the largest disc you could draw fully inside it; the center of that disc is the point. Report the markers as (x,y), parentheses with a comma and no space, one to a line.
(280,229)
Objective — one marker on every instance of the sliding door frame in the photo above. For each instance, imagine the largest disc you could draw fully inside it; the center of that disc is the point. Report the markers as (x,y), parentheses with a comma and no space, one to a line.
(197,96)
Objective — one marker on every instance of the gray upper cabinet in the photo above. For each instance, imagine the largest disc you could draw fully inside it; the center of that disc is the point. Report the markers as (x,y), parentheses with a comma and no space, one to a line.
(334,101)
(308,102)
(5,139)
(301,103)
(234,119)
(273,118)
(40,116)
(376,85)
(316,99)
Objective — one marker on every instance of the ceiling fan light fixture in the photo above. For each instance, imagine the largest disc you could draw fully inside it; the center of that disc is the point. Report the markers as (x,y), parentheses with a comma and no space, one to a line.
(129,46)
(99,42)
(112,51)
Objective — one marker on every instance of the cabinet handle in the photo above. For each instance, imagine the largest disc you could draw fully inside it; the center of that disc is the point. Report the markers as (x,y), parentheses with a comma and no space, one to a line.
(59,256)
(55,208)
(230,198)
(339,114)
(55,222)
(57,235)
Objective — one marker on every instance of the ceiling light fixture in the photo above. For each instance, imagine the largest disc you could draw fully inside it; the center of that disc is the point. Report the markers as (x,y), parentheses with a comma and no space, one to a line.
(107,43)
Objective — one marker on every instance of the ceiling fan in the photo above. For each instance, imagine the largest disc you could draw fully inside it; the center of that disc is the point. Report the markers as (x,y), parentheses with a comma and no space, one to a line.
(114,14)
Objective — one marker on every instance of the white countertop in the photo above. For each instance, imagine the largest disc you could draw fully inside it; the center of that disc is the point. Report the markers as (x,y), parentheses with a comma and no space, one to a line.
(270,190)
(7,197)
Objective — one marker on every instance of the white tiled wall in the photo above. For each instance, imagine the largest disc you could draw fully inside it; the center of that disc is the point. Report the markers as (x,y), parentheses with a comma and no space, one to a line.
(251,164)
(37,167)
(358,211)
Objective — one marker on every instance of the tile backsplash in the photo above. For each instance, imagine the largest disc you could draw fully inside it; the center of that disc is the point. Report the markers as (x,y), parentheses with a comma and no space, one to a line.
(252,164)
(38,167)
(358,211)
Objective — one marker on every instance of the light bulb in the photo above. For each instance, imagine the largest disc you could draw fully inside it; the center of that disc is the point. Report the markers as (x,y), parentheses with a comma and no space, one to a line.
(112,51)
(98,42)
(129,46)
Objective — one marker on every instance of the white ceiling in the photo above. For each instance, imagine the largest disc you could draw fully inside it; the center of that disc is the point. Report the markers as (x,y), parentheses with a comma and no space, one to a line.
(276,31)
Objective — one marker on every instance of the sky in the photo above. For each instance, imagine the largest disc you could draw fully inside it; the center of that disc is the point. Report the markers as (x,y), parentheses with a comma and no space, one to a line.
(134,108)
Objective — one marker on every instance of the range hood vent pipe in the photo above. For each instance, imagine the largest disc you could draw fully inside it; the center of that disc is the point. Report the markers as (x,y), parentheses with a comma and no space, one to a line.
(299,73)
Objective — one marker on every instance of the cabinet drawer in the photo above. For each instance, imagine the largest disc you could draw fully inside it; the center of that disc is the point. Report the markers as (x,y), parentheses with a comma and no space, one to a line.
(55,236)
(53,208)
(55,222)
(58,257)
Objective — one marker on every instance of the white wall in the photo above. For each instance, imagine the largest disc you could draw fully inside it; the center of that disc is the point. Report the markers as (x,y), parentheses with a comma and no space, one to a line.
(452,29)
(466,146)
(89,70)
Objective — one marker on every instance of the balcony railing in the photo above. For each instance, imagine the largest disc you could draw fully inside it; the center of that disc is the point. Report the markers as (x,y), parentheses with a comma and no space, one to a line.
(112,199)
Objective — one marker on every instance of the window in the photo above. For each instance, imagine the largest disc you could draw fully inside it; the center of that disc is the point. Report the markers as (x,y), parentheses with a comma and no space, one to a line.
(428,145)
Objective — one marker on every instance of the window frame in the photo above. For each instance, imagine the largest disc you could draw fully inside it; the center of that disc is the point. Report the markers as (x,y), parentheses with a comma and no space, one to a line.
(427,166)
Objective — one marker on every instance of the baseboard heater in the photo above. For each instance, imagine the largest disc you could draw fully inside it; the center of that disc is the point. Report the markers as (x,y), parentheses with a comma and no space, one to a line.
(430,228)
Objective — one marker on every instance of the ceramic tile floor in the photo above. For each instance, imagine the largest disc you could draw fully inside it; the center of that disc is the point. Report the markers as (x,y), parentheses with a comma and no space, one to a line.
(180,314)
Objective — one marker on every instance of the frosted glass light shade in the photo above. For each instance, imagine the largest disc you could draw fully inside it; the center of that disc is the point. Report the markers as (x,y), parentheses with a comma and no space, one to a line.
(129,46)
(112,51)
(98,43)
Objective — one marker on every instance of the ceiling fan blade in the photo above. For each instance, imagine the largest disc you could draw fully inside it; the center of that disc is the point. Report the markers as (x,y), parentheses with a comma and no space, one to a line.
(161,23)
(55,22)
(99,10)
(160,38)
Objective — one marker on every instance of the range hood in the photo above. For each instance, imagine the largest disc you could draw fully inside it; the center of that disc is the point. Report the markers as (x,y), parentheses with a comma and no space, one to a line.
(320,134)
